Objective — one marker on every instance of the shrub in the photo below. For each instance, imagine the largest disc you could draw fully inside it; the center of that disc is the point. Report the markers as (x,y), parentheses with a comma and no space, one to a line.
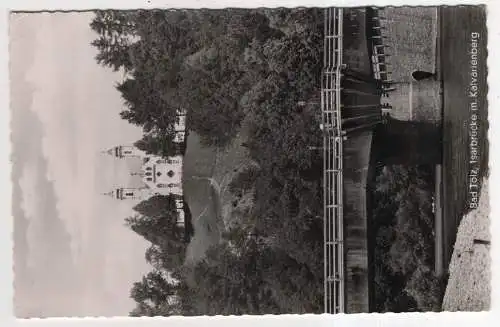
(244,180)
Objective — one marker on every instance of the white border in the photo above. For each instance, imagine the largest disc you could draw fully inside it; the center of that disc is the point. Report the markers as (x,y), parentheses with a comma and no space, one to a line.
(134,4)
(428,319)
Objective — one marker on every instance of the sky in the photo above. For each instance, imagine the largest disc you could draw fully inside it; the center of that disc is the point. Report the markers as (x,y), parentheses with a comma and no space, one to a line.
(73,255)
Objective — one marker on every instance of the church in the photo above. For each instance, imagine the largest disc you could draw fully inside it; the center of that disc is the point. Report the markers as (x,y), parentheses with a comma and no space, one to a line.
(159,175)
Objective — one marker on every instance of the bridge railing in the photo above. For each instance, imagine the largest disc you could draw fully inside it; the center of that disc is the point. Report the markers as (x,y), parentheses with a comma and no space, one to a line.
(334,289)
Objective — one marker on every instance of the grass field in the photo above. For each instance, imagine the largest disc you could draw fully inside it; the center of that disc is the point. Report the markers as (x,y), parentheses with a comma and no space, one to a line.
(207,172)
(199,165)
(456,26)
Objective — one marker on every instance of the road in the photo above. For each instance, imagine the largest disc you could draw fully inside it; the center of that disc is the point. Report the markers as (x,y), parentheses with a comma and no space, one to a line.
(457,25)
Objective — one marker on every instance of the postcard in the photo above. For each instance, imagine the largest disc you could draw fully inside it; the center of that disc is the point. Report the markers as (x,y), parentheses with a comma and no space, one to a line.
(240,161)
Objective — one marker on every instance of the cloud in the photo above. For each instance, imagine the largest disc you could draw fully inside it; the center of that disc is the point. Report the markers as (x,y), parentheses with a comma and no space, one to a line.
(65,110)
(30,200)
(50,267)
(42,252)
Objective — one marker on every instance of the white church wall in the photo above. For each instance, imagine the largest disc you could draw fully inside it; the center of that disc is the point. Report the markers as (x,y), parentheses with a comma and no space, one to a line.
(157,175)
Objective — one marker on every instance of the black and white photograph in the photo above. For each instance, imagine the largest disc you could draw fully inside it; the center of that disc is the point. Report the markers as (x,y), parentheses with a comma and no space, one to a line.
(201,162)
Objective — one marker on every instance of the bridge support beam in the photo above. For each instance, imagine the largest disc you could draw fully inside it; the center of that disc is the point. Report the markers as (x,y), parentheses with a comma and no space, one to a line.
(363,118)
(362,106)
(357,75)
(354,91)
(357,83)
(360,128)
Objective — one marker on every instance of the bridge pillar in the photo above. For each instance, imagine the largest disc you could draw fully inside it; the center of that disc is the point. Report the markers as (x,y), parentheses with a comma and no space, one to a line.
(356,163)
(407,142)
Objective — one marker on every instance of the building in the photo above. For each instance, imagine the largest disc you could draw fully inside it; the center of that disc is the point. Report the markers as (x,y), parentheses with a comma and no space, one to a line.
(159,175)
(180,127)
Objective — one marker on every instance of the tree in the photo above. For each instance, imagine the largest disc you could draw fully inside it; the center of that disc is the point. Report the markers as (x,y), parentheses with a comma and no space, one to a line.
(146,107)
(244,180)
(159,206)
(154,295)
(426,289)
(163,145)
(157,223)
(403,228)
(156,219)
(230,68)
(157,258)
(153,287)
(116,30)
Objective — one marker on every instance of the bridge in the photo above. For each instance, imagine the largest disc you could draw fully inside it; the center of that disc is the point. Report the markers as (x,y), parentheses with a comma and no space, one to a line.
(351,107)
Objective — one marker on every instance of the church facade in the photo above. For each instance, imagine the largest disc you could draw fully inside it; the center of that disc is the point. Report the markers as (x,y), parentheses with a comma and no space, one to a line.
(159,175)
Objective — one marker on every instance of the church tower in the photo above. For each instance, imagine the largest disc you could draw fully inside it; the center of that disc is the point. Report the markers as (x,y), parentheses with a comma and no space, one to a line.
(125,151)
(123,193)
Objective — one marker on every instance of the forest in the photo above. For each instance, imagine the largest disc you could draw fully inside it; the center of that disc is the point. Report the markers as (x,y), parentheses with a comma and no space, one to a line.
(255,68)
(402,238)
(227,68)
